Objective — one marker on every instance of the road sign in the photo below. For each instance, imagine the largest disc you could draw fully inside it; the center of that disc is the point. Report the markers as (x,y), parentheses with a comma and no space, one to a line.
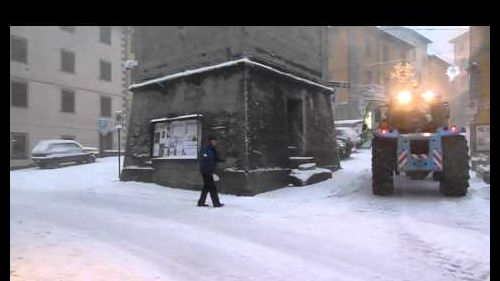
(118,120)
(102,126)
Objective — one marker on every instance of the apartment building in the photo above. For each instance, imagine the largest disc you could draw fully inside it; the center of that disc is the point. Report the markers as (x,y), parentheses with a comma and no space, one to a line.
(64,81)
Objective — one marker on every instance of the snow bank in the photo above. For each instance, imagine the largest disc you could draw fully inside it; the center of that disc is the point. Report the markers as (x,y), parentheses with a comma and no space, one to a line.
(305,176)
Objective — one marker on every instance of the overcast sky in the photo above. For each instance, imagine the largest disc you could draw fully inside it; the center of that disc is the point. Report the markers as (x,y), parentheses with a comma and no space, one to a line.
(440,36)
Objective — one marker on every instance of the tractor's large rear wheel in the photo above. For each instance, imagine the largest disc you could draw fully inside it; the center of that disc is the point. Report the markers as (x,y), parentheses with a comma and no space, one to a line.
(455,177)
(383,163)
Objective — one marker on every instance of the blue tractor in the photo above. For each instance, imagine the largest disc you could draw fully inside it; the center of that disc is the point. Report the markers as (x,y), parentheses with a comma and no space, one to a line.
(411,136)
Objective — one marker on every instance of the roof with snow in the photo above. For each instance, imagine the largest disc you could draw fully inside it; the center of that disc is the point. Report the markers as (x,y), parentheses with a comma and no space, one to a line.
(459,37)
(406,34)
(439,59)
(177,118)
(355,121)
(245,60)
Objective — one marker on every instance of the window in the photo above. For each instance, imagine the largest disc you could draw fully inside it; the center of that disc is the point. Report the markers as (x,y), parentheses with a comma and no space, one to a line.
(105,70)
(18,49)
(68,101)
(67,61)
(105,107)
(19,94)
(105,34)
(68,137)
(403,55)
(68,28)
(65,148)
(18,146)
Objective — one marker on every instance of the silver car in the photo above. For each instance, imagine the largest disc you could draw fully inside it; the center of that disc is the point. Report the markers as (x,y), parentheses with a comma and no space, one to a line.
(51,153)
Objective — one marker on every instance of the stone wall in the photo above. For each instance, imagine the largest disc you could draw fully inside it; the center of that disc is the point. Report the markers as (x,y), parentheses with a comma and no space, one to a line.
(268,127)
(224,96)
(217,95)
(161,50)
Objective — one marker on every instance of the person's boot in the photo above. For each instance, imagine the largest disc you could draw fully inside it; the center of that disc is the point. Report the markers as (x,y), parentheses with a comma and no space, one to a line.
(218,205)
(202,204)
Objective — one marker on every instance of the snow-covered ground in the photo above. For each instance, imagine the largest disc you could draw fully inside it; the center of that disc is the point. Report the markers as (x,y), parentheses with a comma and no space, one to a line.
(81,223)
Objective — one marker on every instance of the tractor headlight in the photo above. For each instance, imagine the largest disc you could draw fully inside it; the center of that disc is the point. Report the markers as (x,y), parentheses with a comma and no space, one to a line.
(404,97)
(428,96)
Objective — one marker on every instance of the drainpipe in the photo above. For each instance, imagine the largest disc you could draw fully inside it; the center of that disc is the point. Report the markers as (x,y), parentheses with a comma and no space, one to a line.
(245,93)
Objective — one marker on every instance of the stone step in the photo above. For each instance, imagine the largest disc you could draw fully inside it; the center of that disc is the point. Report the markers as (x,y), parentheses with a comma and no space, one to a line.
(295,161)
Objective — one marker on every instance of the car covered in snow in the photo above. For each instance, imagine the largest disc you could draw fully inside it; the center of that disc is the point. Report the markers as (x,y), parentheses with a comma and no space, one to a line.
(92,150)
(357,125)
(51,153)
(348,135)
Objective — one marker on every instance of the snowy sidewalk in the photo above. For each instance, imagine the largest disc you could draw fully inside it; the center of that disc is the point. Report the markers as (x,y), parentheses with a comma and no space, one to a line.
(81,223)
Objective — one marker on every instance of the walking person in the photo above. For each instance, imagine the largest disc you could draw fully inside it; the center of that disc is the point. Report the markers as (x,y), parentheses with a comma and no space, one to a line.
(209,159)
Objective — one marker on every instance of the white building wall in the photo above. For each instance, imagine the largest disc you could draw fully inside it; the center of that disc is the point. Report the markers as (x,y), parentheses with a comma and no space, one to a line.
(43,119)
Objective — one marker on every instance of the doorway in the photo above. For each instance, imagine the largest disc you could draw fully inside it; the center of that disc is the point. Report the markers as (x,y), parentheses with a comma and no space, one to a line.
(295,123)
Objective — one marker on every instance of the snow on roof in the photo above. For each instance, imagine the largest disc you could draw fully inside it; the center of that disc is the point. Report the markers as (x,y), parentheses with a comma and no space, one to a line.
(176,118)
(300,158)
(340,122)
(226,64)
(57,141)
(44,144)
(406,34)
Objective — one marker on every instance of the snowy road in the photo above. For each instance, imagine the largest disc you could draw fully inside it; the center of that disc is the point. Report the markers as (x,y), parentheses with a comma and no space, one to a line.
(80,223)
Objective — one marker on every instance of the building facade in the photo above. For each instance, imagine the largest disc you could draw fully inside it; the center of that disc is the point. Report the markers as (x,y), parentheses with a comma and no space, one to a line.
(418,56)
(480,88)
(258,89)
(63,79)
(459,100)
(437,80)
(363,56)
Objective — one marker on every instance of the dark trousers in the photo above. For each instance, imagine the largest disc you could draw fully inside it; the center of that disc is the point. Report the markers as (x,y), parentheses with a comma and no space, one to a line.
(209,186)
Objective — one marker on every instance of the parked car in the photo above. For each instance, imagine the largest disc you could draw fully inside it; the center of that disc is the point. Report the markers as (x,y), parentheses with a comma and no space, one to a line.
(92,150)
(51,153)
(349,134)
(357,125)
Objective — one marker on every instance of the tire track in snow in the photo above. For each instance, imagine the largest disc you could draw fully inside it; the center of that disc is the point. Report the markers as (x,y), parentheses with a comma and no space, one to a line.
(457,265)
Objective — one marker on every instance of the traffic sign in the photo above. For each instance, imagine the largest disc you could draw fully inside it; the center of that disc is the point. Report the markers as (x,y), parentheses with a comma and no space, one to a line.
(118,120)
(102,126)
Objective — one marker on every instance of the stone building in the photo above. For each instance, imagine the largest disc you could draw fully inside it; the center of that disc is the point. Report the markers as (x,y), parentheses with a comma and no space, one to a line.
(459,98)
(258,89)
(436,68)
(363,56)
(479,94)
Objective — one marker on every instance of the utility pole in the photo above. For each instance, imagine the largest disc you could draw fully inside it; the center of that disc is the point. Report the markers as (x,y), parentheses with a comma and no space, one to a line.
(118,127)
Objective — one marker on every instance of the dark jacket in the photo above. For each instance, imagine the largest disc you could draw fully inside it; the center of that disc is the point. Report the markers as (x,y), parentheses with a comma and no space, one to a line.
(208,160)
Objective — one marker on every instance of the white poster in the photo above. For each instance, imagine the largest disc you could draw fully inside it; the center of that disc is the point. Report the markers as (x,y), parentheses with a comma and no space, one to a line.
(177,140)
(482,137)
